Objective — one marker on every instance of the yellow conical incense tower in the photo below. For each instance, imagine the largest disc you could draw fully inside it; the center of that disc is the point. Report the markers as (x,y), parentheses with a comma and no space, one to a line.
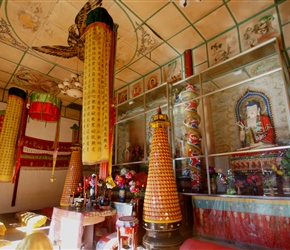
(161,213)
(74,175)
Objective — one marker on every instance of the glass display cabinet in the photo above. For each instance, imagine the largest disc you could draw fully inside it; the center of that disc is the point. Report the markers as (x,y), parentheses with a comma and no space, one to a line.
(230,126)
(133,133)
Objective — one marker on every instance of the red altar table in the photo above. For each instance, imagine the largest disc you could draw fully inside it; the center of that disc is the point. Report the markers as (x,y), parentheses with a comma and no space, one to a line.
(71,228)
(243,219)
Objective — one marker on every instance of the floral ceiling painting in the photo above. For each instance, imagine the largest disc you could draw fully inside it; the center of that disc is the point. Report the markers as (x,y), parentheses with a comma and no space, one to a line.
(32,80)
(8,36)
(147,39)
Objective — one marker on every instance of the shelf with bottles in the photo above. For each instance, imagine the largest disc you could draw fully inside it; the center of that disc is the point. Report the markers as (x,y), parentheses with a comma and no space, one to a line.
(249,178)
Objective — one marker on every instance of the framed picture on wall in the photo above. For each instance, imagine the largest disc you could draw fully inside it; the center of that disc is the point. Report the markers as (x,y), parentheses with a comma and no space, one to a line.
(172,72)
(223,47)
(136,88)
(122,95)
(152,80)
(265,26)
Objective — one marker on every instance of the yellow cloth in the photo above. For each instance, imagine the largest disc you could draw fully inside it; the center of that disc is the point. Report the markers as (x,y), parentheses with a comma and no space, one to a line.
(4,243)
(96,104)
(35,241)
(8,137)
(31,220)
(2,229)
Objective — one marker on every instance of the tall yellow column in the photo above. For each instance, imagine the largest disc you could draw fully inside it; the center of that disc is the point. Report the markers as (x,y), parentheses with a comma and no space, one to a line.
(9,132)
(97,86)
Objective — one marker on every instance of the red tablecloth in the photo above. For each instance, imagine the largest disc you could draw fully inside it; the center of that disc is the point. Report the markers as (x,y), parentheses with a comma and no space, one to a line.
(264,222)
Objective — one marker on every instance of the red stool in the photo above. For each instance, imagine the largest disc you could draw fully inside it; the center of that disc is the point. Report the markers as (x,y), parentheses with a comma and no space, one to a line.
(127,232)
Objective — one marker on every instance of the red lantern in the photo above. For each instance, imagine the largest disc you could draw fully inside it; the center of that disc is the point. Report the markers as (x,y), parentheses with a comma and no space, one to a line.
(44,107)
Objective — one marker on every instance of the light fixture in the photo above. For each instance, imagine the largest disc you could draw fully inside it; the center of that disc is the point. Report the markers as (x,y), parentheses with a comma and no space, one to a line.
(185,3)
(72,87)
(238,72)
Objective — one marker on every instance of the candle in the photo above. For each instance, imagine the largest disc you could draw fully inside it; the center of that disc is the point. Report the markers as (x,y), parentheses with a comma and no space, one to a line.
(85,196)
(73,198)
(84,189)
(96,187)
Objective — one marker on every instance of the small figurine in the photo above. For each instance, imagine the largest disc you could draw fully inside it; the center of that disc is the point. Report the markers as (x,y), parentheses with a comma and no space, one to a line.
(127,152)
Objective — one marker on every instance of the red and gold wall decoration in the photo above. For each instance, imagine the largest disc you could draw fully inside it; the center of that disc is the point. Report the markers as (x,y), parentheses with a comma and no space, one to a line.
(39,153)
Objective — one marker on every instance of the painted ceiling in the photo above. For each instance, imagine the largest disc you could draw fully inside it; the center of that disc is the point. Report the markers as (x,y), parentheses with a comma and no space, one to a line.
(151,36)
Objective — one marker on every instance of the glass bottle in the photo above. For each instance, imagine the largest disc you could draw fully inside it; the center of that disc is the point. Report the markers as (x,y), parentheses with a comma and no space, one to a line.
(230,182)
(213,185)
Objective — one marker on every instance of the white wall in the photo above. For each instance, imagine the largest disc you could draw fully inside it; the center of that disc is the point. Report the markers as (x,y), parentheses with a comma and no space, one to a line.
(46,130)
(35,191)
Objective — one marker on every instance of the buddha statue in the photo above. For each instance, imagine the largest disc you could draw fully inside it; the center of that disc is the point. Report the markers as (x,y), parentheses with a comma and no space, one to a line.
(256,130)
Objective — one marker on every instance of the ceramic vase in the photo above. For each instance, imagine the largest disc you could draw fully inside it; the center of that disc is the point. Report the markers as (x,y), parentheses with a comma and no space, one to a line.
(92,192)
(255,188)
(122,194)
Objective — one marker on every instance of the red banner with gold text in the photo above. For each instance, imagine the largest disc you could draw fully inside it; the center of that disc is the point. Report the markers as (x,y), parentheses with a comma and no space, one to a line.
(38,152)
